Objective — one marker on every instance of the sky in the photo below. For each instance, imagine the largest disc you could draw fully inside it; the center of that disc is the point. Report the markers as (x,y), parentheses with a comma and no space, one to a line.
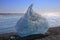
(20,6)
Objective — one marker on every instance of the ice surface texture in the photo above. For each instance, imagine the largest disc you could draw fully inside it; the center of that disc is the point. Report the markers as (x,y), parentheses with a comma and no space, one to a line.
(31,23)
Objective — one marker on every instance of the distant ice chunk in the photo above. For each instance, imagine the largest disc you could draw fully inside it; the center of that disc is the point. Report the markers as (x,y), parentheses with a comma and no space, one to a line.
(31,23)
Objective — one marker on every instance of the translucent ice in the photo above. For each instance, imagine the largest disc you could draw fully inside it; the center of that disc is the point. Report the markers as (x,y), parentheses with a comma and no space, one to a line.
(31,23)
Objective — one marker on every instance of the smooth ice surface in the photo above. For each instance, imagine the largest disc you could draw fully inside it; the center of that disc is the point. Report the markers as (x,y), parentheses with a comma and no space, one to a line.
(31,23)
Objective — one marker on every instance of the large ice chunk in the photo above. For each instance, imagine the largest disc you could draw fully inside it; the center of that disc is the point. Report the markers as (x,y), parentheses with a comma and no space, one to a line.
(31,23)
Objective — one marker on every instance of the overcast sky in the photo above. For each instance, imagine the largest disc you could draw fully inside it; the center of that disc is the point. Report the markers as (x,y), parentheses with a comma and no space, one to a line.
(20,6)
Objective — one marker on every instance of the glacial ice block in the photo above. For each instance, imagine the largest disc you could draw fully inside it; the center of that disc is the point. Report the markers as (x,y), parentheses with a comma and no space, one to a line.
(31,23)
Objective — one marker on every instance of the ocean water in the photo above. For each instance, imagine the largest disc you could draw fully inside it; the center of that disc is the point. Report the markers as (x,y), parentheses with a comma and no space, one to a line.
(8,22)
(53,20)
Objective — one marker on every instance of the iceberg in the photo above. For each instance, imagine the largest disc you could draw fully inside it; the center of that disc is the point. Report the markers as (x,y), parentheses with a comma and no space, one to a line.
(31,23)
